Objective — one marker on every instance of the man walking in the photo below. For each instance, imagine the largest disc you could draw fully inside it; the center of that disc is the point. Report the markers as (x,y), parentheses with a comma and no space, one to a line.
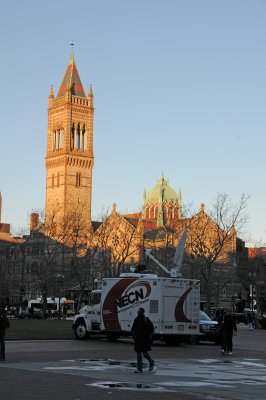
(142,330)
(228,327)
(4,324)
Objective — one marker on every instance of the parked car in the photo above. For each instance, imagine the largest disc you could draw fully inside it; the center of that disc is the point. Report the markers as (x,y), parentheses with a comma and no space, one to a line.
(241,317)
(23,312)
(37,313)
(209,329)
(244,316)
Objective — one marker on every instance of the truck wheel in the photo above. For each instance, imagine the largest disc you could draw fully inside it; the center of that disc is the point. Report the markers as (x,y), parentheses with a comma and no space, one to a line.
(81,331)
(193,339)
(172,340)
(112,336)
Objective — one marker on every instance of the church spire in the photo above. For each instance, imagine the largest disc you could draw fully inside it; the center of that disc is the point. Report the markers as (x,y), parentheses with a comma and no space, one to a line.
(71,80)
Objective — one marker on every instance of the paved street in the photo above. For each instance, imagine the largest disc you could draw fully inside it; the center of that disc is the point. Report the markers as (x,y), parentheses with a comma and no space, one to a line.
(73,370)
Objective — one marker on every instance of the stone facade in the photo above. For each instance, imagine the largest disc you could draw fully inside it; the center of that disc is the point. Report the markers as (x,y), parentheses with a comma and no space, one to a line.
(69,156)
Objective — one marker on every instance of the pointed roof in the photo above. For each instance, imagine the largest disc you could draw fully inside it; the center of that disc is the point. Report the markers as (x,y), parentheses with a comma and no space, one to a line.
(71,80)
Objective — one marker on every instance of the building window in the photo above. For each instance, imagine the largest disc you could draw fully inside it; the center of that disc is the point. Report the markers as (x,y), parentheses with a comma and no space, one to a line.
(78,138)
(78,179)
(54,140)
(115,240)
(84,138)
(72,137)
(62,139)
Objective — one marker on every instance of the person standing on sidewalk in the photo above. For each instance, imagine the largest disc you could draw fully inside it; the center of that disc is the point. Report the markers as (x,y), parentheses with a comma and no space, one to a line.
(4,324)
(228,327)
(142,331)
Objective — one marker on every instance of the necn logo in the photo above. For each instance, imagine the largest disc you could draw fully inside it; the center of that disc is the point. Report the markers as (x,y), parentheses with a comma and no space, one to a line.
(134,294)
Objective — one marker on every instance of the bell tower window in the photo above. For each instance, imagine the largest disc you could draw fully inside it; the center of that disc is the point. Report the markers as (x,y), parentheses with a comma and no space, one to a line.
(78,137)
(78,179)
(84,139)
(54,141)
(58,139)
(72,137)
(62,139)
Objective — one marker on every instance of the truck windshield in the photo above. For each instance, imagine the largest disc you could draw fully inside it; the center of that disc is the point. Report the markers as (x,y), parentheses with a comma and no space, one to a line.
(94,298)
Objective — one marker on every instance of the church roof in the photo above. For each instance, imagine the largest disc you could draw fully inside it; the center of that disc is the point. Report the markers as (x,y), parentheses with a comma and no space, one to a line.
(163,191)
(71,81)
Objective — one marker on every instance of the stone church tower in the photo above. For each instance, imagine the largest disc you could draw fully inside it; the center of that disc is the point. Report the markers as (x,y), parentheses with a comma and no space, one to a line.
(69,156)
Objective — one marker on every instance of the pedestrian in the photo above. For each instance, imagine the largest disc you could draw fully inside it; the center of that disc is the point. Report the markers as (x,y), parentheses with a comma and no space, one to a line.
(142,331)
(4,324)
(254,321)
(64,311)
(228,328)
(249,318)
(219,316)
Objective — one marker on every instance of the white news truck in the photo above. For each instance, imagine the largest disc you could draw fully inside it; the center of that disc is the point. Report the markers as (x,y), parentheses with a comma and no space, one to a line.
(171,303)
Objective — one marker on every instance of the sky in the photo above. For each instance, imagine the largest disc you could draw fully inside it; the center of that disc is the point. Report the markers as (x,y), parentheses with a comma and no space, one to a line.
(179,88)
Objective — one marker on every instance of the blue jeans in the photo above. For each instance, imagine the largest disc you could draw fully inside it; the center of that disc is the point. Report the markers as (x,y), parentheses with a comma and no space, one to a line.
(139,359)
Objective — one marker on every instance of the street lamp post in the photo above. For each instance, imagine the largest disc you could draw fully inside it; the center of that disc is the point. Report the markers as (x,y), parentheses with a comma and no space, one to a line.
(252,275)
(59,277)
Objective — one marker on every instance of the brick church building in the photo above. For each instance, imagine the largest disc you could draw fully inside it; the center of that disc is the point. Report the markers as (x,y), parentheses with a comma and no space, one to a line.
(69,182)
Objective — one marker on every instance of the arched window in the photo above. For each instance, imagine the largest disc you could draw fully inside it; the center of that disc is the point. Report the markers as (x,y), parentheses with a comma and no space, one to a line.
(54,140)
(62,139)
(72,137)
(58,139)
(147,213)
(78,179)
(78,137)
(84,139)
(165,211)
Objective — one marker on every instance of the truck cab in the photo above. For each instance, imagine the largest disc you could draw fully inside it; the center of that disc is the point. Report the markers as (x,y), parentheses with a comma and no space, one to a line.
(88,319)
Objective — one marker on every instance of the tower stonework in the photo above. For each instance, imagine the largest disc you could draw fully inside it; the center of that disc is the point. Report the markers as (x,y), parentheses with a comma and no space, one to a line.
(69,156)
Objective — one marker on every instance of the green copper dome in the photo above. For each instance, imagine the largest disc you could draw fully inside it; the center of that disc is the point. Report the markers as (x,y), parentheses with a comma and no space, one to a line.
(162,204)
(162,192)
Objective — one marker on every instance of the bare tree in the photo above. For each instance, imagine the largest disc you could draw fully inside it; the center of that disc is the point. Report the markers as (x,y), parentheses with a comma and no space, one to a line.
(163,242)
(212,240)
(79,240)
(46,254)
(118,243)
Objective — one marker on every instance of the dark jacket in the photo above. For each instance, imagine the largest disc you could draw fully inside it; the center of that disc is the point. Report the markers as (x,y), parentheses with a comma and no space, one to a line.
(142,330)
(229,323)
(4,324)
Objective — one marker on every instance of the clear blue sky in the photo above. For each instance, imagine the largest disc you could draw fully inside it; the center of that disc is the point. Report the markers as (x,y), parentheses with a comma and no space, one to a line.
(179,86)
